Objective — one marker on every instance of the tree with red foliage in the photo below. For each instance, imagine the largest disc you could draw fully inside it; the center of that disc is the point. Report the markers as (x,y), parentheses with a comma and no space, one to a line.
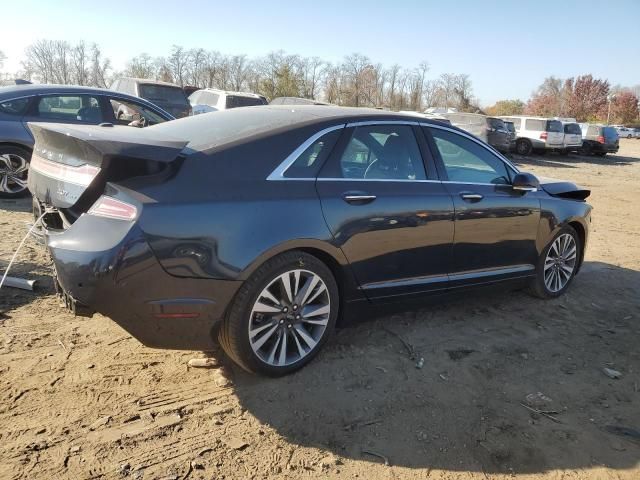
(624,107)
(586,98)
(546,101)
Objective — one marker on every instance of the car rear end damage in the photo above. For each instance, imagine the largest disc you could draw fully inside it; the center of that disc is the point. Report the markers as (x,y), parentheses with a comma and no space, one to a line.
(84,178)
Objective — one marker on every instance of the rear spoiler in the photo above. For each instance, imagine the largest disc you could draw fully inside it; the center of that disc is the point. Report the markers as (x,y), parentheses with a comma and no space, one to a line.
(81,144)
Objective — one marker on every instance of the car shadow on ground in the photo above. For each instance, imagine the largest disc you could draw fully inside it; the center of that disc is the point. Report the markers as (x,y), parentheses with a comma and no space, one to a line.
(509,383)
(11,298)
(18,205)
(572,160)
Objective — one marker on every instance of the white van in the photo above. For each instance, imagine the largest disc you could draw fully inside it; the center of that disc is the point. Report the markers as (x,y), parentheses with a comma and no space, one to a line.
(572,137)
(538,134)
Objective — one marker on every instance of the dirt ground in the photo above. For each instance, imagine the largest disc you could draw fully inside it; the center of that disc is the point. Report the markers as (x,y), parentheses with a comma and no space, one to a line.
(80,399)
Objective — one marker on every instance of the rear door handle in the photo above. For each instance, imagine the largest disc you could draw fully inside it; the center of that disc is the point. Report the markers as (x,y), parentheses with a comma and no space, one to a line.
(358,198)
(471,197)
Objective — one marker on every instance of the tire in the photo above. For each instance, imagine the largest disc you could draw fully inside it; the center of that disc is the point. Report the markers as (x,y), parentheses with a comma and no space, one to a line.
(545,285)
(14,164)
(263,305)
(600,154)
(585,150)
(523,147)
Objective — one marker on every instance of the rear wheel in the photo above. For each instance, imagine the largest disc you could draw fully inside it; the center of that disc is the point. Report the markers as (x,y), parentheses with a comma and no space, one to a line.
(14,168)
(282,316)
(523,147)
(601,154)
(585,149)
(557,265)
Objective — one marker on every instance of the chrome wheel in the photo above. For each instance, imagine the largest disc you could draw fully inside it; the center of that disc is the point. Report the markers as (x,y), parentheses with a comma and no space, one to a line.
(289,318)
(560,262)
(13,173)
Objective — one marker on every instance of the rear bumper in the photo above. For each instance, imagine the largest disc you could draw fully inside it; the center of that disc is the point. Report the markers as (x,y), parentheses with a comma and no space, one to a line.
(123,280)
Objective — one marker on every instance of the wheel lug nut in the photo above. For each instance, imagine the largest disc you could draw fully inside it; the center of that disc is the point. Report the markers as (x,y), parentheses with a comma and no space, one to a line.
(298,317)
(295,307)
(281,322)
(289,326)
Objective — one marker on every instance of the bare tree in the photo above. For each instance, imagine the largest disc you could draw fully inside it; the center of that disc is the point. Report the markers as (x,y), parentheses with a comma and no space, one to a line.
(177,64)
(80,60)
(3,57)
(141,66)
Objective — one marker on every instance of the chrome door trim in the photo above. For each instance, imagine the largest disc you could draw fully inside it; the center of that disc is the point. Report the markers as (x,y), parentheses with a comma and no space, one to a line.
(278,173)
(491,272)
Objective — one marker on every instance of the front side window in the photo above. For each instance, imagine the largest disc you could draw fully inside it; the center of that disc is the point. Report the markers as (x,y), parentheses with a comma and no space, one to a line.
(14,107)
(465,161)
(70,108)
(310,161)
(381,152)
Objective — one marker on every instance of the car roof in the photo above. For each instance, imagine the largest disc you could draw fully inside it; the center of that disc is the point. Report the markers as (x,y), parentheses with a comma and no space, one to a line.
(229,92)
(210,130)
(149,81)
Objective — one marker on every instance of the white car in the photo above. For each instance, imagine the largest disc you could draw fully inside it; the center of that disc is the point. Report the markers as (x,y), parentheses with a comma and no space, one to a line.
(212,100)
(538,134)
(624,132)
(572,137)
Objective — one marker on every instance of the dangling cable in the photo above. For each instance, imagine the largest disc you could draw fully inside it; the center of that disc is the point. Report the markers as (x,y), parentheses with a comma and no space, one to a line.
(6,272)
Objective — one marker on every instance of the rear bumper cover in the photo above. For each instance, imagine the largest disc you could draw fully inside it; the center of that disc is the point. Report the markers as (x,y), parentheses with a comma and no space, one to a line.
(123,280)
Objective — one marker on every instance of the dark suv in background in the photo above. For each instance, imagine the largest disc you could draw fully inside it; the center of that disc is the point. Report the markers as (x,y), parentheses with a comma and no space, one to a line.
(498,136)
(598,140)
(168,96)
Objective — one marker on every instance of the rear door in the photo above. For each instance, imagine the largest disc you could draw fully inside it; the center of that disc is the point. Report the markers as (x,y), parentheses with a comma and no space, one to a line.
(495,227)
(389,214)
(572,135)
(555,133)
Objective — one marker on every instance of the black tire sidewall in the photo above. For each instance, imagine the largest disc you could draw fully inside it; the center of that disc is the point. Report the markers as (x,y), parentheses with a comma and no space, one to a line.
(26,154)
(540,287)
(236,324)
(526,150)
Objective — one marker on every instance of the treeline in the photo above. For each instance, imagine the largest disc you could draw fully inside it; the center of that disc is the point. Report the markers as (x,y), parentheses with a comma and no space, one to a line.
(585,98)
(355,81)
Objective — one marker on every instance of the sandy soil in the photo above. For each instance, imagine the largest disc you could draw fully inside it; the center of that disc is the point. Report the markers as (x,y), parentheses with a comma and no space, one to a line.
(80,399)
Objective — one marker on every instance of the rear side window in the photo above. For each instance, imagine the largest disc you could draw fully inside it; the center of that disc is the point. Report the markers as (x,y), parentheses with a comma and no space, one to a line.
(554,126)
(210,99)
(572,129)
(15,107)
(593,131)
(380,152)
(74,108)
(535,125)
(310,161)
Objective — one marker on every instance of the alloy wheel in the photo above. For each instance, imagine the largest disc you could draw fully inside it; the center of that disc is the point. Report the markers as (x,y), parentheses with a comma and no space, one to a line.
(560,262)
(13,173)
(289,317)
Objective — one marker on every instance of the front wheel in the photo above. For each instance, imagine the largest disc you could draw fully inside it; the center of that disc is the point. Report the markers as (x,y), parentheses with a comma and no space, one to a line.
(282,316)
(557,265)
(14,168)
(523,147)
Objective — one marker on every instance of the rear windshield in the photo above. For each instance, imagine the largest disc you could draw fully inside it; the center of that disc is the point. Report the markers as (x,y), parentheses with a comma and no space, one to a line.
(554,126)
(573,129)
(496,123)
(609,132)
(163,94)
(234,101)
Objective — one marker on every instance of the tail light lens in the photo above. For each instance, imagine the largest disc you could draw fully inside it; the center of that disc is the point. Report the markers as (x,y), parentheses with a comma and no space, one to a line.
(601,139)
(110,207)
(544,135)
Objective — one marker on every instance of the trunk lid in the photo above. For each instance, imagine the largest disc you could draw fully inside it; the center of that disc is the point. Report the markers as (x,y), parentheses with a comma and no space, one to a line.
(69,161)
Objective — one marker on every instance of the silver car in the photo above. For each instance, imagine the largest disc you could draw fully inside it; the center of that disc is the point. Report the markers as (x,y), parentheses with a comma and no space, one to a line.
(20,104)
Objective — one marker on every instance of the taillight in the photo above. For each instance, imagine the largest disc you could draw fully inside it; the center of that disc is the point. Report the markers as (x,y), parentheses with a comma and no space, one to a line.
(112,208)
(544,135)
(81,175)
(601,139)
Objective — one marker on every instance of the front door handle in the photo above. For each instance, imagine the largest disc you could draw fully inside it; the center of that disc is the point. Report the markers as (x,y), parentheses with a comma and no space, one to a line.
(358,198)
(471,197)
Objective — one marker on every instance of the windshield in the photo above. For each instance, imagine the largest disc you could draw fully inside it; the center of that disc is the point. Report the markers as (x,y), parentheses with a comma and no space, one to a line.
(242,101)
(163,94)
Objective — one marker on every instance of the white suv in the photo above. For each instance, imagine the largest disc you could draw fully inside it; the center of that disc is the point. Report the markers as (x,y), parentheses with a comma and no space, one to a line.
(537,134)
(212,100)
(624,132)
(572,137)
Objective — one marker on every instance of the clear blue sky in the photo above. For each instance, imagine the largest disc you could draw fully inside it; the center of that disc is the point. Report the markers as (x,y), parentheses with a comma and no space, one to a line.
(507,47)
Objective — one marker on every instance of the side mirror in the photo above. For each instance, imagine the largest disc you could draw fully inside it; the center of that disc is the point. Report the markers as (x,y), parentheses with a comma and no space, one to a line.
(525,182)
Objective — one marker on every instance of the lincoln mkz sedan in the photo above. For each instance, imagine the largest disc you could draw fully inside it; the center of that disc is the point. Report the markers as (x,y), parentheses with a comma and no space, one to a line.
(261,227)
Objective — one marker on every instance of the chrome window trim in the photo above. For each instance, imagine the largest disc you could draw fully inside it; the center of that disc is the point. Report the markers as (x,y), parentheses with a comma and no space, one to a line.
(278,173)
(322,179)
(476,140)
(369,123)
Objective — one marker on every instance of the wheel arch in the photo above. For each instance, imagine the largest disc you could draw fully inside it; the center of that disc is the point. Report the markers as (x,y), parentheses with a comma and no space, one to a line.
(29,148)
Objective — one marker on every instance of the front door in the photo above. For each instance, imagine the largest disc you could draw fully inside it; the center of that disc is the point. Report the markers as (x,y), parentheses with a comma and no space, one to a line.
(394,225)
(495,226)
